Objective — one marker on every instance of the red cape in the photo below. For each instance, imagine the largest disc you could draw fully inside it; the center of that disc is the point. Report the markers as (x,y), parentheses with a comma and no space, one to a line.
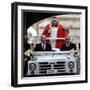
(60,34)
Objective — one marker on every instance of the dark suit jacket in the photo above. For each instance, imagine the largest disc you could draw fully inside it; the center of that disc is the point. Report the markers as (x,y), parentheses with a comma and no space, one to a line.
(66,48)
(40,48)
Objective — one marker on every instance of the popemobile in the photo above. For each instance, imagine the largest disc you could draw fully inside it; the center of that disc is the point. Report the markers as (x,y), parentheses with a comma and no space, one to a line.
(53,63)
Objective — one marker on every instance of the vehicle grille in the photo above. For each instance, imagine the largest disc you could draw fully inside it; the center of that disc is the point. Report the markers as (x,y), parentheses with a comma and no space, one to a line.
(43,67)
(58,66)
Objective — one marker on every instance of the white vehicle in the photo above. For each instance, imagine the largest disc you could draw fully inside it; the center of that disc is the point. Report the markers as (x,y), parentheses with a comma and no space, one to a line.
(50,63)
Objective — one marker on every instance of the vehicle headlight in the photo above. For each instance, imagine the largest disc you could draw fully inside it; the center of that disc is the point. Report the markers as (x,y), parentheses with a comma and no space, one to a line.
(32,66)
(71,64)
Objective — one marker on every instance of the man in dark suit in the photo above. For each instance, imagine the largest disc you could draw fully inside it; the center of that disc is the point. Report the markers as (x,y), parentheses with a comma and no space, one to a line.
(43,46)
(68,45)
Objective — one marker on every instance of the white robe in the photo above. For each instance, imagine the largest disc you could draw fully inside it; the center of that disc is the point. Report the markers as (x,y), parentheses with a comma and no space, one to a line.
(53,36)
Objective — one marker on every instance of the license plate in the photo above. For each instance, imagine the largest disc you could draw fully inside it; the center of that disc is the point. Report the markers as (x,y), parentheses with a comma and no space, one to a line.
(50,71)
